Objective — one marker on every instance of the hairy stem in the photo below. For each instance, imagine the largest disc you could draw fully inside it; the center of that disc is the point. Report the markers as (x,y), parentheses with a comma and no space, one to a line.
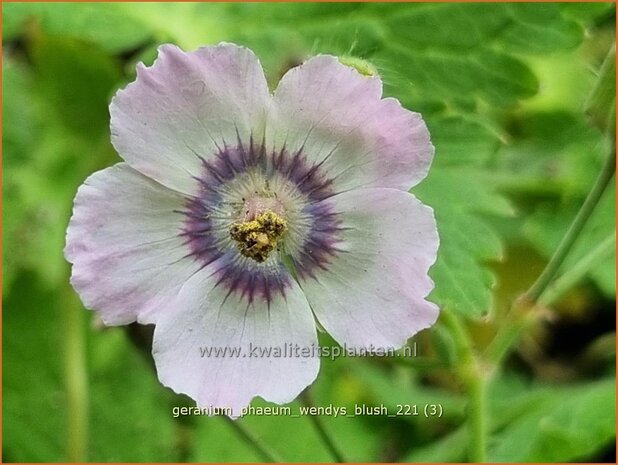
(548,274)
(473,376)
(572,276)
(521,313)
(306,399)
(478,418)
(514,323)
(263,451)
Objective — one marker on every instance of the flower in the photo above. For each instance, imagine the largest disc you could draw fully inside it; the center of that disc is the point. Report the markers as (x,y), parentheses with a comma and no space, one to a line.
(239,217)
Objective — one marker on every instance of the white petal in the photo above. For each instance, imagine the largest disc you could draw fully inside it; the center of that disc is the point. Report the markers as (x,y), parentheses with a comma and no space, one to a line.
(208,316)
(372,293)
(123,241)
(339,119)
(186,106)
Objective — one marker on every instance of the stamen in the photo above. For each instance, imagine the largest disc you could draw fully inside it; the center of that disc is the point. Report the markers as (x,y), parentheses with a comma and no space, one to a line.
(259,237)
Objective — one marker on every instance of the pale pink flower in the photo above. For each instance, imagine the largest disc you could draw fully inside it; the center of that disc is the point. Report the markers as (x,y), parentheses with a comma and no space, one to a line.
(239,217)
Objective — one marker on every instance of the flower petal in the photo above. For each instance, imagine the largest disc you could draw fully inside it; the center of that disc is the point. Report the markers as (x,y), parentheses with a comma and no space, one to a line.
(207,316)
(337,116)
(187,106)
(123,241)
(373,291)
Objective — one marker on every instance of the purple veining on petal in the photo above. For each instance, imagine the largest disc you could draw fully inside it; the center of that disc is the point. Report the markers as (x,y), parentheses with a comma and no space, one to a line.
(252,281)
(309,179)
(255,280)
(321,244)
(248,282)
(197,231)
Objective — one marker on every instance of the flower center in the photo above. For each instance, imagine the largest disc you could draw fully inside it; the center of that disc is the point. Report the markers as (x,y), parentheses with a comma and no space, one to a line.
(259,236)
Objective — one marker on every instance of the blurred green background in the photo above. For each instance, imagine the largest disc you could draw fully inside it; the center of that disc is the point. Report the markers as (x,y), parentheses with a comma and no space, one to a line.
(503,89)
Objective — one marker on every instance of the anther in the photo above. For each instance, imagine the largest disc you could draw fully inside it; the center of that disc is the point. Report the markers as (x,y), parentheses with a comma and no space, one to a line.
(257,238)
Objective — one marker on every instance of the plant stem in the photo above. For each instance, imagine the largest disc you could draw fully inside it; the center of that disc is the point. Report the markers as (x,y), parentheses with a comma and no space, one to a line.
(306,399)
(579,270)
(420,363)
(521,314)
(540,285)
(478,418)
(515,321)
(461,338)
(475,380)
(265,453)
(75,377)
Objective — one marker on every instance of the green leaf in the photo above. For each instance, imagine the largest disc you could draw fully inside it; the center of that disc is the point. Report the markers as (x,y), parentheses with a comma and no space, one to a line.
(127,415)
(103,24)
(450,448)
(448,26)
(462,141)
(546,227)
(496,78)
(34,401)
(558,424)
(461,61)
(457,195)
(601,105)
(419,57)
(548,171)
(124,386)
(553,154)
(536,423)
(459,189)
(538,29)
(586,12)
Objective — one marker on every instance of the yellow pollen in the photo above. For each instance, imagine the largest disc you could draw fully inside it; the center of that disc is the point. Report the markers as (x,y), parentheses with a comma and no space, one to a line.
(257,238)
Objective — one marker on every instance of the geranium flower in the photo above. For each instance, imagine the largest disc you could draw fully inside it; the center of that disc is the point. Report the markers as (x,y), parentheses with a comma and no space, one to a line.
(239,217)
